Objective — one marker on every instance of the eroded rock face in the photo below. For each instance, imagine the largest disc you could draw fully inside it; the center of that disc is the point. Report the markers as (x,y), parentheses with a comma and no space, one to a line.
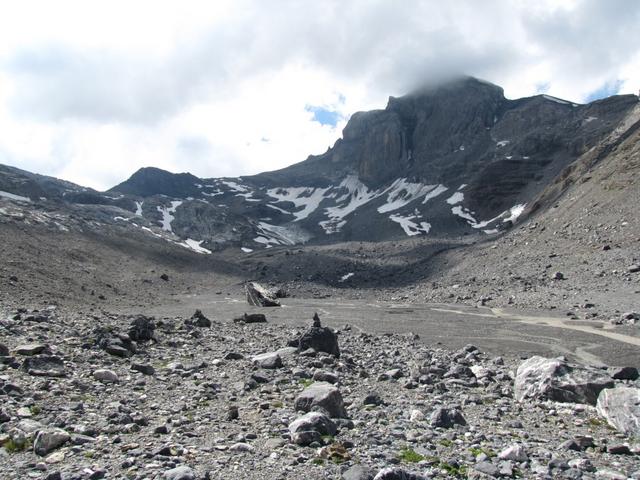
(259,296)
(310,428)
(555,379)
(322,395)
(620,406)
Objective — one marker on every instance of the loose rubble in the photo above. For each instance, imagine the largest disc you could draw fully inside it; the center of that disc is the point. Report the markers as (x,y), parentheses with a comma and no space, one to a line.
(170,398)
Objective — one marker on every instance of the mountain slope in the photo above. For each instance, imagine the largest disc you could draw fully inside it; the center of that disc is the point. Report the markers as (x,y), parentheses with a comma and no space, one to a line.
(441,162)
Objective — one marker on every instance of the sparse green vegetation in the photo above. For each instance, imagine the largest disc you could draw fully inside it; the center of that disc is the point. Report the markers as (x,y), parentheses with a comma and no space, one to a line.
(459,471)
(445,442)
(35,409)
(11,446)
(305,382)
(408,455)
(475,451)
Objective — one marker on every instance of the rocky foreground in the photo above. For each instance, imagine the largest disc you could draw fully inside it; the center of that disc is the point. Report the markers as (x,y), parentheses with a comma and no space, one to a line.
(107,396)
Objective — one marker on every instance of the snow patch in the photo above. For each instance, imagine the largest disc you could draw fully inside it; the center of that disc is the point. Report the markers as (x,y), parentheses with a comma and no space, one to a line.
(503,143)
(167,216)
(515,212)
(357,195)
(346,277)
(408,224)
(401,192)
(280,235)
(434,193)
(455,198)
(139,208)
(246,250)
(234,186)
(462,212)
(194,245)
(557,100)
(13,196)
(306,197)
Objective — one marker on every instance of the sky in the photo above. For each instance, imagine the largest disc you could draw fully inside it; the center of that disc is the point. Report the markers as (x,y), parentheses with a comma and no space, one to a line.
(91,90)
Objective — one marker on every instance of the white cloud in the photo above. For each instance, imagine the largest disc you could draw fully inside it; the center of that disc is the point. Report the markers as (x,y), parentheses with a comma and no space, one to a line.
(91,91)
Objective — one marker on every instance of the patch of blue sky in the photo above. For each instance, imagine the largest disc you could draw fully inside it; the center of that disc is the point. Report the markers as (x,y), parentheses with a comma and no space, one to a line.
(606,90)
(324,116)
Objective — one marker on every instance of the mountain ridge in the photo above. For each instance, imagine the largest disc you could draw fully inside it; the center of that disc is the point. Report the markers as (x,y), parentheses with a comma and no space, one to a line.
(443,161)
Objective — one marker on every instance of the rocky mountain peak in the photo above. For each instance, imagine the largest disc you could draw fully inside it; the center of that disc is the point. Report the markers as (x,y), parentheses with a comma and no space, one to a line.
(149,181)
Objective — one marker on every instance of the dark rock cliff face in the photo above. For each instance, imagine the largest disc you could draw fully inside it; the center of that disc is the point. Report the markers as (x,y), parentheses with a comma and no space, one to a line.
(465,132)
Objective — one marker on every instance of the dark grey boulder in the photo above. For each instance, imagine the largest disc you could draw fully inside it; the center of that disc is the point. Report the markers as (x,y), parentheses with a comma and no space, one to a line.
(29,349)
(142,329)
(44,366)
(625,373)
(198,319)
(321,395)
(556,379)
(251,318)
(444,417)
(119,345)
(270,360)
(259,296)
(621,408)
(48,440)
(319,338)
(310,428)
(143,368)
(4,350)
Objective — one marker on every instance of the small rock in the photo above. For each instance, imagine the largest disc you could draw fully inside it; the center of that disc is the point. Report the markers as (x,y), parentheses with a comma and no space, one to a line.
(269,360)
(444,417)
(106,376)
(142,329)
(30,349)
(323,395)
(143,368)
(241,447)
(44,366)
(251,318)
(321,339)
(310,427)
(397,474)
(48,440)
(515,453)
(198,319)
(321,376)
(358,472)
(180,473)
(619,450)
